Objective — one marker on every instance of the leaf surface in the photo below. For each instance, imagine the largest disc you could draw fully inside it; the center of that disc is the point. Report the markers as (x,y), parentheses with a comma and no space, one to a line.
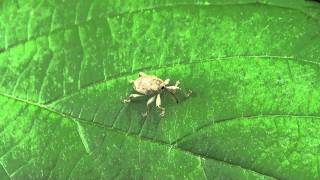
(253,68)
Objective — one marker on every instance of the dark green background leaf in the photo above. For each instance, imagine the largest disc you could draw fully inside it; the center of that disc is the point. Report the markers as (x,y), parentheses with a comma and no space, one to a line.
(253,67)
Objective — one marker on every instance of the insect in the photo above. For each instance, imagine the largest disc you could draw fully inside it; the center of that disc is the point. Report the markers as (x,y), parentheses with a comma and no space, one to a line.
(152,86)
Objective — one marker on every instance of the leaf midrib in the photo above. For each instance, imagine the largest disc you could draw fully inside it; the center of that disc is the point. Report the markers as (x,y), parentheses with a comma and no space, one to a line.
(160,143)
(171,65)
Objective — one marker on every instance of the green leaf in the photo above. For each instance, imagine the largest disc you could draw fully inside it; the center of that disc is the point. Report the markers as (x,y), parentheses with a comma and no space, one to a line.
(4,174)
(253,67)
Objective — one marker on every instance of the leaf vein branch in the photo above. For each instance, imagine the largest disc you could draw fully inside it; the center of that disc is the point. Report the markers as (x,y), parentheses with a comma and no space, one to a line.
(202,166)
(110,15)
(1,163)
(212,123)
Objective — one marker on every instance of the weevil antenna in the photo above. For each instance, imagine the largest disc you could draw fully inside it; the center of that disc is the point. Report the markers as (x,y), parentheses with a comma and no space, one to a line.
(174,96)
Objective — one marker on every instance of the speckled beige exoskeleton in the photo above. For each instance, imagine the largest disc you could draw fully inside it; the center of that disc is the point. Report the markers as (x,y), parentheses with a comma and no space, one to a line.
(152,86)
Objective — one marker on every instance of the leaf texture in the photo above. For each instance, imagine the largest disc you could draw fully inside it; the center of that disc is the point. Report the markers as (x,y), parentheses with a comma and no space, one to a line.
(253,68)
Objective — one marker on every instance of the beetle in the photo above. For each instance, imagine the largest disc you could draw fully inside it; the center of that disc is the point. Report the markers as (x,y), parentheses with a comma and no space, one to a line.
(152,86)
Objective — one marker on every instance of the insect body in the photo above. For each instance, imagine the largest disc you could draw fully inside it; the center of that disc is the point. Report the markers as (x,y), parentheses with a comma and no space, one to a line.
(152,86)
(149,84)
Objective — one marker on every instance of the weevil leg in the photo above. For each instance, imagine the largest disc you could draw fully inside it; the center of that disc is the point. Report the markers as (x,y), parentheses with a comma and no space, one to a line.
(150,100)
(131,81)
(142,74)
(188,93)
(173,89)
(130,97)
(177,83)
(166,82)
(158,104)
(174,96)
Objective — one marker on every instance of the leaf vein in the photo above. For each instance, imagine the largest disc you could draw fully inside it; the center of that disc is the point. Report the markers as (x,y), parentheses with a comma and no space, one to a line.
(20,141)
(45,77)
(25,69)
(8,124)
(126,74)
(69,26)
(32,159)
(203,169)
(74,167)
(208,125)
(146,139)
(5,169)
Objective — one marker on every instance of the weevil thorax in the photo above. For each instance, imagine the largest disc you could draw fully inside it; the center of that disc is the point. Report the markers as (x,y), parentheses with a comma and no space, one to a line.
(148,85)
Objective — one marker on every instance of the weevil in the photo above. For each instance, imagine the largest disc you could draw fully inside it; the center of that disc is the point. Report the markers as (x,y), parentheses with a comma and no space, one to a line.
(152,86)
